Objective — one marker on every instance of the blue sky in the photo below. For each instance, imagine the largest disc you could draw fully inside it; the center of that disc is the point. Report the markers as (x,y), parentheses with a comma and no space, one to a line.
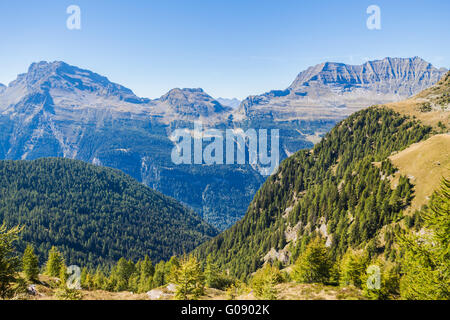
(230,48)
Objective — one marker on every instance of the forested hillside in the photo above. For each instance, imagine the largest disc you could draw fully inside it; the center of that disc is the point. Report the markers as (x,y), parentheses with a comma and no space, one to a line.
(339,190)
(93,215)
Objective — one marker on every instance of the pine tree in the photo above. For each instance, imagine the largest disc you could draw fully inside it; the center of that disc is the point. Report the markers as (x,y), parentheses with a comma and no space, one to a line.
(122,273)
(146,268)
(9,261)
(388,275)
(99,279)
(212,273)
(352,267)
(54,263)
(159,278)
(146,275)
(171,270)
(30,264)
(189,280)
(63,275)
(83,278)
(426,263)
(314,264)
(264,281)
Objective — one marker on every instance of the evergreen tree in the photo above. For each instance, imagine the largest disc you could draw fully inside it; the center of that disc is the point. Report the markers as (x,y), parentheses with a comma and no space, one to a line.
(9,261)
(83,278)
(30,264)
(189,279)
(171,269)
(264,281)
(147,271)
(80,208)
(314,264)
(54,263)
(89,281)
(388,275)
(63,275)
(212,273)
(99,279)
(426,263)
(352,268)
(159,278)
(121,274)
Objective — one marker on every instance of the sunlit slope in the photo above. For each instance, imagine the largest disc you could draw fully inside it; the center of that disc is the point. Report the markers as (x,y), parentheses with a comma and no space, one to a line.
(431,106)
(424,163)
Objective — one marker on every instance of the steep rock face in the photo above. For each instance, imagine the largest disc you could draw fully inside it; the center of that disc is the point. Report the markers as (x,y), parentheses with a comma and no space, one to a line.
(332,90)
(390,75)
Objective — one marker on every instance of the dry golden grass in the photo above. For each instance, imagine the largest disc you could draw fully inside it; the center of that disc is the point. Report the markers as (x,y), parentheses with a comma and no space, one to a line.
(297,291)
(411,107)
(47,289)
(425,163)
(437,99)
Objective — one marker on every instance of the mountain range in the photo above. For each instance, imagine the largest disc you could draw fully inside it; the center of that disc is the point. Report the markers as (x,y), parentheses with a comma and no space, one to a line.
(332,90)
(59,110)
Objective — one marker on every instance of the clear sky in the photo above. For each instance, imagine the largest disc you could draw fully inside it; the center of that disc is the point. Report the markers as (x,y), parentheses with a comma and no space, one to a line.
(231,48)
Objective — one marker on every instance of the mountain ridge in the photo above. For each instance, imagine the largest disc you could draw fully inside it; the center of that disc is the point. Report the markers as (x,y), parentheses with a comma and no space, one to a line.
(368,72)
(45,75)
(330,88)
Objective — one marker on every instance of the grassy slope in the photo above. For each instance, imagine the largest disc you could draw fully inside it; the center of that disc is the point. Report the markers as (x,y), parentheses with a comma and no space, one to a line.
(438,98)
(424,163)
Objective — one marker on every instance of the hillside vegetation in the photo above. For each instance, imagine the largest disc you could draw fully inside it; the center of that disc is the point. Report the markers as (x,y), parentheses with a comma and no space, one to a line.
(333,190)
(93,215)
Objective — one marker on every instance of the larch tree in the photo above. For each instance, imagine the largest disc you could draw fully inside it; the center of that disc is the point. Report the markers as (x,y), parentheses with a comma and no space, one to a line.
(30,264)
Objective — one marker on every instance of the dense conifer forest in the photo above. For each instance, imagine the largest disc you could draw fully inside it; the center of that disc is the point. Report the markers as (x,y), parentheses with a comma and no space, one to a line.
(93,215)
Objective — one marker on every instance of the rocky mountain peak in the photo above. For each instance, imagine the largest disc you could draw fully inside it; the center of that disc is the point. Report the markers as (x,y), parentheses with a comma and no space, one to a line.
(332,89)
(192,102)
(409,75)
(61,77)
